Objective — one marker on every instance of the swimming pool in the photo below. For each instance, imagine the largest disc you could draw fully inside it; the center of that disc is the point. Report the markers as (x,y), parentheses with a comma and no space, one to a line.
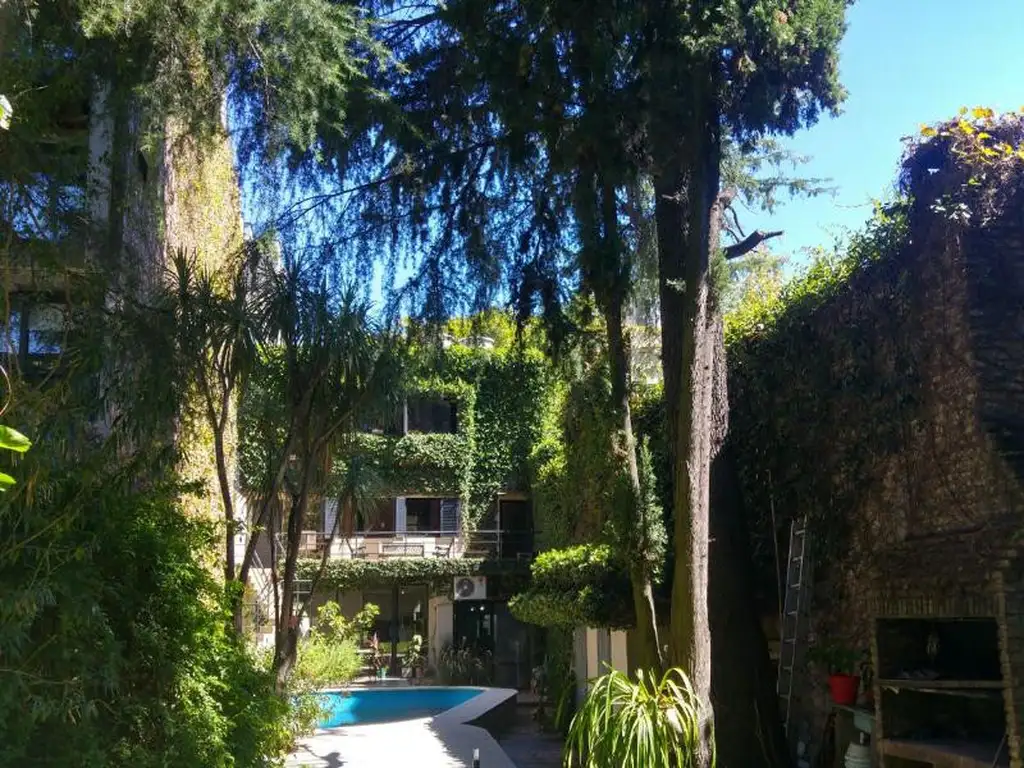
(360,706)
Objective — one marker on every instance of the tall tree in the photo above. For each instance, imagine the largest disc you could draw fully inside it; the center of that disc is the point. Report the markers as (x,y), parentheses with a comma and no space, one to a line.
(500,102)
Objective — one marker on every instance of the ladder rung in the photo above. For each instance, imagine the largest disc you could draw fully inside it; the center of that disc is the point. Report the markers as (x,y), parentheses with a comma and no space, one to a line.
(789,640)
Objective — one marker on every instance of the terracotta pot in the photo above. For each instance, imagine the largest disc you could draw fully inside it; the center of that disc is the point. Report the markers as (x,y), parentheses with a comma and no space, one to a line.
(844,689)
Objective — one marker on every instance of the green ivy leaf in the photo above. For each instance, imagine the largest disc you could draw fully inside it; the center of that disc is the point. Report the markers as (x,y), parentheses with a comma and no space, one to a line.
(13,440)
(6,481)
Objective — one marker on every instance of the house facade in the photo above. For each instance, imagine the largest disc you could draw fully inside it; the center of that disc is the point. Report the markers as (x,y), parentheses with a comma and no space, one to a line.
(450,534)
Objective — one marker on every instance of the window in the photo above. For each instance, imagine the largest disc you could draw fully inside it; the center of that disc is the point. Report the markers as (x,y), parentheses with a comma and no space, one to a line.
(430,414)
(423,515)
(381,519)
(34,330)
(411,618)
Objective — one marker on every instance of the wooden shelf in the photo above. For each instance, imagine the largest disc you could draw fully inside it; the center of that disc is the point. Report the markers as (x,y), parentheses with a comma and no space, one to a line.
(954,754)
(916,684)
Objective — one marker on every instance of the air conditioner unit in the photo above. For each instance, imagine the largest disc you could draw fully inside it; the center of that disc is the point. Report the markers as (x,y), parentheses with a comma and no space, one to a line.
(470,588)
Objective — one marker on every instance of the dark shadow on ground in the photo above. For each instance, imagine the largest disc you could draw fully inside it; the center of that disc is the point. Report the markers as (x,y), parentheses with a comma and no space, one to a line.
(525,743)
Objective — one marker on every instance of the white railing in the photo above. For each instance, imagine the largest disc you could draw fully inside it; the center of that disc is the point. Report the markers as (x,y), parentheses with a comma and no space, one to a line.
(379,545)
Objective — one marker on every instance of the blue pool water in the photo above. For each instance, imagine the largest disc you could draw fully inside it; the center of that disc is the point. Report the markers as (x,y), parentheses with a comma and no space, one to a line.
(360,706)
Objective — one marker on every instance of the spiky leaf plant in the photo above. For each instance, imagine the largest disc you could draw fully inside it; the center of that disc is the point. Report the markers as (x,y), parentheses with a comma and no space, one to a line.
(641,723)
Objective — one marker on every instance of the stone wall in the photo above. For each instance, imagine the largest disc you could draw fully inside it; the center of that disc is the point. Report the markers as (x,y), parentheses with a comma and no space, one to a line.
(903,426)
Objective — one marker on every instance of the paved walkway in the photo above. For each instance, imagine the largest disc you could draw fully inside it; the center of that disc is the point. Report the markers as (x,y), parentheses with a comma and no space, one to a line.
(525,743)
(420,743)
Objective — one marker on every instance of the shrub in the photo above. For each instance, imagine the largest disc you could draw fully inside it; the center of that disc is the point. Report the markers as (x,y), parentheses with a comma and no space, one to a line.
(585,585)
(325,662)
(115,636)
(464,665)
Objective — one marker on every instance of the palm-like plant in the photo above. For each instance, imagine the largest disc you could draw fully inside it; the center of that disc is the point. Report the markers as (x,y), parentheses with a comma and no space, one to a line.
(646,723)
(216,340)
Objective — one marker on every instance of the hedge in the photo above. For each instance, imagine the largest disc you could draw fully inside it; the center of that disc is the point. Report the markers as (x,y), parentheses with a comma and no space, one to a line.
(583,585)
(343,574)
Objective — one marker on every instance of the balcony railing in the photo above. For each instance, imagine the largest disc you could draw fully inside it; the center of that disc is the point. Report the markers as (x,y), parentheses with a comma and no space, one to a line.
(379,545)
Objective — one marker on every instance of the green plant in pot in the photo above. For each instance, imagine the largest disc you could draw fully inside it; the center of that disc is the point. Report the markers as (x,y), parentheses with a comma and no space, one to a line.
(415,657)
(843,666)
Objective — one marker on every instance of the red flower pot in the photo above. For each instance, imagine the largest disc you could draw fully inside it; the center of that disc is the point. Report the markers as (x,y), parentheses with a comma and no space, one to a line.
(844,689)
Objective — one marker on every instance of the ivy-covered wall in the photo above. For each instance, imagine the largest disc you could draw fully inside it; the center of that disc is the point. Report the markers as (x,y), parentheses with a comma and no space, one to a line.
(501,396)
(860,399)
(180,193)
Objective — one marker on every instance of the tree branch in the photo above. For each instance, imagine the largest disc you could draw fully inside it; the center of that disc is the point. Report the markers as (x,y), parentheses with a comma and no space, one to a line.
(749,243)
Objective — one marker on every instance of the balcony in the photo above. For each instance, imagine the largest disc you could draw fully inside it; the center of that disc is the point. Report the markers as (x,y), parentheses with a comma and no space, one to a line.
(382,545)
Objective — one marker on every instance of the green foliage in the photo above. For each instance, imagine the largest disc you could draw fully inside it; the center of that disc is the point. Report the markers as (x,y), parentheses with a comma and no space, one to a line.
(586,585)
(500,399)
(415,655)
(421,463)
(290,67)
(11,440)
(323,662)
(512,396)
(806,387)
(114,639)
(464,665)
(837,659)
(646,723)
(332,625)
(558,684)
(345,575)
(762,316)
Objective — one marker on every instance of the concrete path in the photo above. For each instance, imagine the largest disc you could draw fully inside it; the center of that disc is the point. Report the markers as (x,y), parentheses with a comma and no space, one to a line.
(443,741)
(418,743)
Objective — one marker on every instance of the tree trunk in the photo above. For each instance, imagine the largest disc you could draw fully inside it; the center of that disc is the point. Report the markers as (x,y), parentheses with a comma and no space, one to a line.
(649,650)
(742,679)
(229,508)
(287,629)
(687,187)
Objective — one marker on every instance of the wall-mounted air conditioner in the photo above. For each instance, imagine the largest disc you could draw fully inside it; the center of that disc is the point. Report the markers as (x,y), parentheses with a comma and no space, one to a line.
(470,588)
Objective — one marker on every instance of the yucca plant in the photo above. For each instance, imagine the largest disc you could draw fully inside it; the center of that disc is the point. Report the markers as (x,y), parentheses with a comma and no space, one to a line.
(646,723)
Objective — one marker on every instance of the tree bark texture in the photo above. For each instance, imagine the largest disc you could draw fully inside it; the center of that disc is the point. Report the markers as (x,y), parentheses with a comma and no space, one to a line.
(686,185)
(742,679)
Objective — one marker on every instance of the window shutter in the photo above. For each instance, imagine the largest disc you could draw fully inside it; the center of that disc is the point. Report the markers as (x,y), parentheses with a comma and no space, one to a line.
(450,515)
(330,514)
(400,514)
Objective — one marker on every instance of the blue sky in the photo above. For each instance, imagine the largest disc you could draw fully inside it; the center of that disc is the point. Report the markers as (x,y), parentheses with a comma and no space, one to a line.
(904,63)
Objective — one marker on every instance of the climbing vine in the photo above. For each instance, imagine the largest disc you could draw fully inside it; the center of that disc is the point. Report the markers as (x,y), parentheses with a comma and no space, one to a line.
(438,572)
(834,378)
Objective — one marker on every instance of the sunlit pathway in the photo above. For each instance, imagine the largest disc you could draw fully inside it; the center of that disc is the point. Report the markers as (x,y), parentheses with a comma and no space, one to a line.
(421,743)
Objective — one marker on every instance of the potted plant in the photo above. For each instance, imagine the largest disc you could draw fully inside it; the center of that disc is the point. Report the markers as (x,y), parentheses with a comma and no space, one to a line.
(842,664)
(415,657)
